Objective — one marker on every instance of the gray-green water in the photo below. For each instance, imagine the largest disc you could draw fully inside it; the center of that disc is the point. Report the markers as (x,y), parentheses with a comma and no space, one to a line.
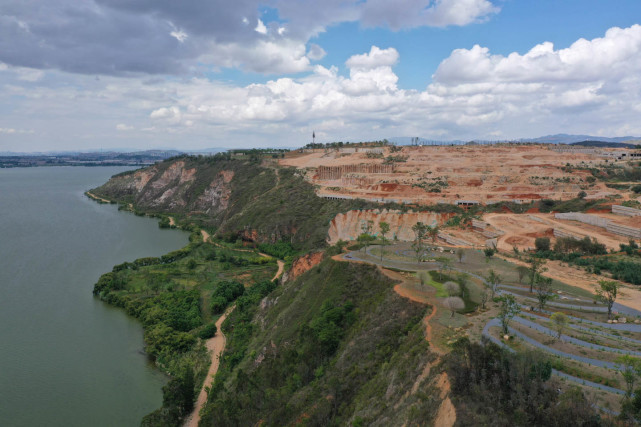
(67,359)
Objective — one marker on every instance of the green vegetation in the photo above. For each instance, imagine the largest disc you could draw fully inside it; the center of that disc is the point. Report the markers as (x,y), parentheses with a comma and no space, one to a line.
(172,296)
(494,387)
(266,205)
(336,345)
(330,359)
(593,256)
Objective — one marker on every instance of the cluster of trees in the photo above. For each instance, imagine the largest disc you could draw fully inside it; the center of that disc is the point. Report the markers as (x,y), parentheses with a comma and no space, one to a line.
(177,401)
(224,293)
(339,144)
(169,258)
(494,387)
(421,233)
(589,253)
(281,249)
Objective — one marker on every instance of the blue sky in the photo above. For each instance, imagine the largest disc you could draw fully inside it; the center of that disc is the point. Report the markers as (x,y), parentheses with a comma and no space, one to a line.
(198,74)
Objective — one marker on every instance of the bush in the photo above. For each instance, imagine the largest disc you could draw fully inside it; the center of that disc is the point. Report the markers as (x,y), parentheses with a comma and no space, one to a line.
(542,244)
(209,331)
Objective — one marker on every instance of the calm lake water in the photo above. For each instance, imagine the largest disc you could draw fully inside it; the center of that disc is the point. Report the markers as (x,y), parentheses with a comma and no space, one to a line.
(67,359)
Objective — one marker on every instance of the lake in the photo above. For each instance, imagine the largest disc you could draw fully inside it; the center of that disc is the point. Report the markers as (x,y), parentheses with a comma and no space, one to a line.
(66,358)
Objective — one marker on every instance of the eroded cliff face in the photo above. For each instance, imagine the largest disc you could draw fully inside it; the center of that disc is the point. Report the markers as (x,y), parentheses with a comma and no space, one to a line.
(175,186)
(348,226)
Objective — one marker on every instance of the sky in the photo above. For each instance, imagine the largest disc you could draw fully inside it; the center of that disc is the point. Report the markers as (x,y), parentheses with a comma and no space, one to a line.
(197,74)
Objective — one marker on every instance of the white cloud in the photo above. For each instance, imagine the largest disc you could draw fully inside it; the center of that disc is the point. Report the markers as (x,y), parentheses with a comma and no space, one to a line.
(434,13)
(316,52)
(127,38)
(260,27)
(375,58)
(123,127)
(179,35)
(266,56)
(592,86)
(12,131)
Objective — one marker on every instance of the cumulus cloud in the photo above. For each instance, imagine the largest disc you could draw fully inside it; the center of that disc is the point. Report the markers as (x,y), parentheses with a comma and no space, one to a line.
(473,93)
(123,127)
(375,58)
(125,37)
(591,86)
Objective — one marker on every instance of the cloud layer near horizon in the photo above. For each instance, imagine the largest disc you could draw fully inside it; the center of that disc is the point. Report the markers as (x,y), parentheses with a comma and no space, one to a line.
(592,86)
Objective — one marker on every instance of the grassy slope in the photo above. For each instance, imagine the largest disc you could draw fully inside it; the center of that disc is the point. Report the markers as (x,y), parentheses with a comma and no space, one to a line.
(276,207)
(282,368)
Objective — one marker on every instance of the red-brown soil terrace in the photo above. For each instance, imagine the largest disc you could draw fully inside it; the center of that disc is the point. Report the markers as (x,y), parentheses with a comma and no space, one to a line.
(433,174)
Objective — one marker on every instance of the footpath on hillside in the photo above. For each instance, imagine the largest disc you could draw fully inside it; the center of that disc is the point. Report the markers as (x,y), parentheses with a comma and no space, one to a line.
(216,345)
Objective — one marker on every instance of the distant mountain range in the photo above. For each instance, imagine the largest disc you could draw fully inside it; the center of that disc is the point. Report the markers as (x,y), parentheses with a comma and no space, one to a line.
(561,138)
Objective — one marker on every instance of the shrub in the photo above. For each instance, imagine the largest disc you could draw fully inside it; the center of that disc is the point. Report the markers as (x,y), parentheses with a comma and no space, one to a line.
(542,244)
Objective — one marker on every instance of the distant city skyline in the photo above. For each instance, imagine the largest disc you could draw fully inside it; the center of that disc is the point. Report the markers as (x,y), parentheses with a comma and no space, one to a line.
(106,74)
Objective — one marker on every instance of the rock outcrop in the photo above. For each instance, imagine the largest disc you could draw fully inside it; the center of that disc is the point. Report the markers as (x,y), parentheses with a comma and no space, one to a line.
(348,226)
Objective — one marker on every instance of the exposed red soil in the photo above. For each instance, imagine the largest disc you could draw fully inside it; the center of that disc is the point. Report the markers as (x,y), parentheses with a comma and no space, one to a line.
(303,264)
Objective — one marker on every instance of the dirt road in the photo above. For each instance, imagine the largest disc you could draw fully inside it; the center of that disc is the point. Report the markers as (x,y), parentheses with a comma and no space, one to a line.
(216,345)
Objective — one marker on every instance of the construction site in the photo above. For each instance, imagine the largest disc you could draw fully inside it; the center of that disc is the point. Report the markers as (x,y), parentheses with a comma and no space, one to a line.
(464,175)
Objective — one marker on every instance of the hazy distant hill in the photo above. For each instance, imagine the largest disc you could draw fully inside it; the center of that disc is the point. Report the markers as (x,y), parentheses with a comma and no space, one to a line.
(605,144)
(563,138)
(560,138)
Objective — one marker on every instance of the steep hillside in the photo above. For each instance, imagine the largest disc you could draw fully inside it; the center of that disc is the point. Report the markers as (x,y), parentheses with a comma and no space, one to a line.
(336,346)
(233,197)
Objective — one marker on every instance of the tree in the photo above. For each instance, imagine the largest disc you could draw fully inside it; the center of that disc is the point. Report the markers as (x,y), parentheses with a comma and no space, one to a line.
(460,253)
(508,309)
(522,271)
(384,230)
(542,244)
(444,264)
(433,232)
(630,369)
(606,293)
(484,297)
(452,289)
(544,292)
(453,304)
(536,268)
(423,278)
(493,280)
(582,194)
(462,279)
(560,321)
(489,253)
(366,235)
(418,246)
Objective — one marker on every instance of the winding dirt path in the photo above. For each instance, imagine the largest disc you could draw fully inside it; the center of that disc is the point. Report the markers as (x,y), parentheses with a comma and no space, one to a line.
(216,345)
(206,236)
(172,221)
(281,269)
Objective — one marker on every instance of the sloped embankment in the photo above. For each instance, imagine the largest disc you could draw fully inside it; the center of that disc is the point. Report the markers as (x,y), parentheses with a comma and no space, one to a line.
(335,346)
(347,226)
